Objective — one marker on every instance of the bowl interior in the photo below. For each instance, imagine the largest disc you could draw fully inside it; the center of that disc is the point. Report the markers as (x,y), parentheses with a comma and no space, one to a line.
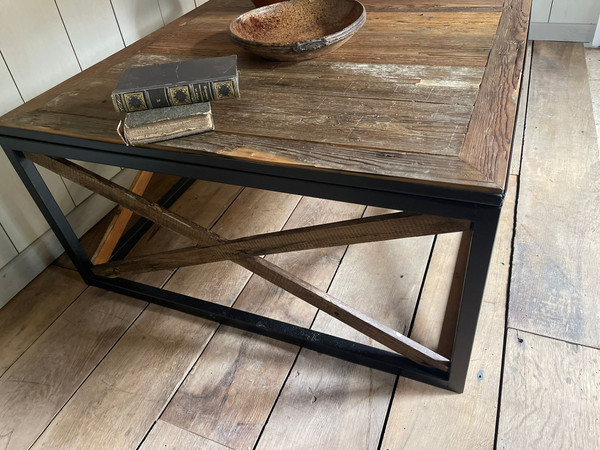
(296,21)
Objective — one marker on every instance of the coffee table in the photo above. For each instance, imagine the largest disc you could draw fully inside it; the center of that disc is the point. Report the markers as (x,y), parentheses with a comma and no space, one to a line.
(415,113)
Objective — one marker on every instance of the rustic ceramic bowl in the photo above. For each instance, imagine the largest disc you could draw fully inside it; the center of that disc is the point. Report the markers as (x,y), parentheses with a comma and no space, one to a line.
(296,30)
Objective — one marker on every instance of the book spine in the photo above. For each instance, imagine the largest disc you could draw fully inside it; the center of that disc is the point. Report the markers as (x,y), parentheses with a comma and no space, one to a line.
(176,95)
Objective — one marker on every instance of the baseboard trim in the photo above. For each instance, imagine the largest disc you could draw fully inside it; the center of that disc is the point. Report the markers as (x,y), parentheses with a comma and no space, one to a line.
(28,264)
(565,32)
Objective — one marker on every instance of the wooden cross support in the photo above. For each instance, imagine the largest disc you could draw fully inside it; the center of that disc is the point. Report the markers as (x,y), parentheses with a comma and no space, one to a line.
(245,251)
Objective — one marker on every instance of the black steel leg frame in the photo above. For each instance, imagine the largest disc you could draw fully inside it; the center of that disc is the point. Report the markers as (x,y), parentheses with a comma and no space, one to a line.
(484,219)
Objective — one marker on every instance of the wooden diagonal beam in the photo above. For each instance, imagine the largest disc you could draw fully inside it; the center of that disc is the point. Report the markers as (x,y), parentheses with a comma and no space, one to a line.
(355,231)
(362,323)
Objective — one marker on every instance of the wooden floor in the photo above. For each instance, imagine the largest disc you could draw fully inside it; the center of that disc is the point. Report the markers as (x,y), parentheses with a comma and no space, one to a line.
(84,368)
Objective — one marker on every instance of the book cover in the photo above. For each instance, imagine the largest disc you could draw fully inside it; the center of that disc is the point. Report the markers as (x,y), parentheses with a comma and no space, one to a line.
(175,84)
(155,125)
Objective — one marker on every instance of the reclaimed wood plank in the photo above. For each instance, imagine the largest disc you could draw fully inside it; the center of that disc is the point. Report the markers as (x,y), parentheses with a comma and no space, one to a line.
(247,371)
(133,384)
(554,281)
(345,396)
(165,436)
(356,231)
(467,420)
(517,145)
(549,394)
(159,185)
(488,142)
(118,225)
(27,315)
(43,379)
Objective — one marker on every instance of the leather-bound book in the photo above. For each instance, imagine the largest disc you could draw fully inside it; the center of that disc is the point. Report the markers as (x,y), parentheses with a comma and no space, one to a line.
(176,84)
(145,127)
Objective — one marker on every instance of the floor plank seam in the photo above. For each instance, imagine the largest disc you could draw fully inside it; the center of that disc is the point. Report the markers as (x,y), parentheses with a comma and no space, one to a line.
(410,329)
(89,375)
(43,332)
(519,330)
(264,426)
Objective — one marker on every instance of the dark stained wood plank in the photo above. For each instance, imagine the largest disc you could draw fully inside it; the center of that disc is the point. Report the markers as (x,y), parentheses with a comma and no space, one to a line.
(489,139)
(27,315)
(555,283)
(422,416)
(356,231)
(247,371)
(549,394)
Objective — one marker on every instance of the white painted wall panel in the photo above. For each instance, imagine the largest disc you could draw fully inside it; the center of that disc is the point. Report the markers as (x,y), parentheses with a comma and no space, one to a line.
(35,45)
(173,9)
(9,95)
(137,18)
(575,11)
(93,29)
(7,250)
(19,215)
(540,10)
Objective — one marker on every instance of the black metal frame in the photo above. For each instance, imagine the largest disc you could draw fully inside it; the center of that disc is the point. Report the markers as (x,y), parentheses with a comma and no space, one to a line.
(483,210)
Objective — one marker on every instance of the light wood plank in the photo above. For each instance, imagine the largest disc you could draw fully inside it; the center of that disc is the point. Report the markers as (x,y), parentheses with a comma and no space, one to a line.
(130,388)
(549,394)
(555,280)
(136,20)
(165,436)
(323,390)
(517,146)
(247,371)
(32,311)
(25,39)
(423,416)
(37,387)
(92,29)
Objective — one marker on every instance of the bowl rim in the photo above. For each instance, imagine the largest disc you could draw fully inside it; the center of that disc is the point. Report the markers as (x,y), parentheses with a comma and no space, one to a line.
(301,46)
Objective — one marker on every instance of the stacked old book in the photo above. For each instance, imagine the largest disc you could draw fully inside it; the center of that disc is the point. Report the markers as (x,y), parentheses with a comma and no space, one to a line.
(165,101)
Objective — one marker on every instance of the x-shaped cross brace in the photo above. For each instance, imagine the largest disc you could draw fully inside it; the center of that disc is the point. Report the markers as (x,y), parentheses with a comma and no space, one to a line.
(246,251)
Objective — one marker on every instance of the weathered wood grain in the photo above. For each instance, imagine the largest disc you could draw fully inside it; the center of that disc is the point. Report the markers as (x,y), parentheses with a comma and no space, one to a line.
(327,403)
(356,231)
(422,416)
(247,371)
(347,105)
(555,284)
(165,436)
(549,394)
(517,145)
(43,379)
(117,227)
(40,382)
(133,384)
(488,142)
(32,311)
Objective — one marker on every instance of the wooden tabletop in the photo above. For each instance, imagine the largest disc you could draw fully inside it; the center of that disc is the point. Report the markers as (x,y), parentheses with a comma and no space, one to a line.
(425,93)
